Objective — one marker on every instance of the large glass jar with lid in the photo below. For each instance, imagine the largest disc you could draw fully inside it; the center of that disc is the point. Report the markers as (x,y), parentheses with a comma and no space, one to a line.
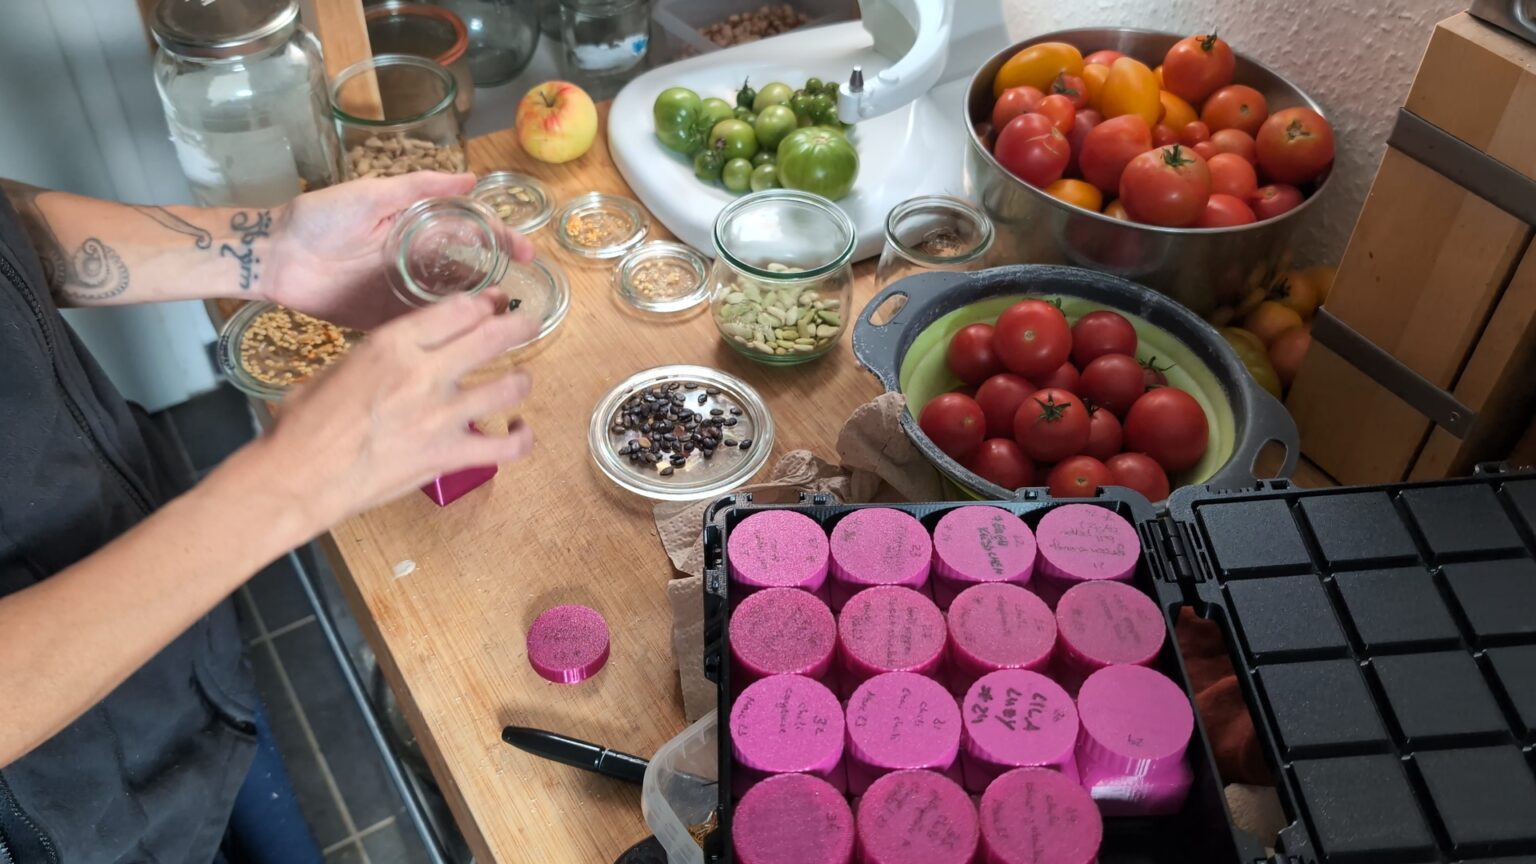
(243,87)
(782,281)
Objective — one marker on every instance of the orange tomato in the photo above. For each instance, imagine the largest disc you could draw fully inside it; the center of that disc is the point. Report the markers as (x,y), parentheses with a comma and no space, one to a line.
(1131,88)
(1270,319)
(1322,279)
(1287,352)
(1297,291)
(1235,106)
(1176,112)
(1077,192)
(1094,76)
(1116,210)
(1158,74)
(1037,66)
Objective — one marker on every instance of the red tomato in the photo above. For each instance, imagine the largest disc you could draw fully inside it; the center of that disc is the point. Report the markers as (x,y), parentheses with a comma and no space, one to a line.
(1162,136)
(1225,211)
(1051,425)
(970,354)
(954,423)
(1059,109)
(1033,149)
(1099,333)
(1295,146)
(1064,378)
(1086,120)
(1232,175)
(1103,58)
(1206,149)
(1194,133)
(1078,477)
(1072,87)
(1168,425)
(1272,200)
(1234,141)
(1013,102)
(1167,186)
(1104,434)
(1196,66)
(1001,461)
(1000,397)
(1152,373)
(1113,381)
(1110,147)
(1032,338)
(1139,472)
(1237,106)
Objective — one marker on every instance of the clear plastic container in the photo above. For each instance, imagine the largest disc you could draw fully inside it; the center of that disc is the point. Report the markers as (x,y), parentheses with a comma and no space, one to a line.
(396,115)
(683,20)
(681,790)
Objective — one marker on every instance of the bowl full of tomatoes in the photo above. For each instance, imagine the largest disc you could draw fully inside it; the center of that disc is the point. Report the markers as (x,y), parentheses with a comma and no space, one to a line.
(1173,161)
(1041,375)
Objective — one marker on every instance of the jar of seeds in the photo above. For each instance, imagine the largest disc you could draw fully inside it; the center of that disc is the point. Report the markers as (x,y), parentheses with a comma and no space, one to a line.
(782,281)
(395,114)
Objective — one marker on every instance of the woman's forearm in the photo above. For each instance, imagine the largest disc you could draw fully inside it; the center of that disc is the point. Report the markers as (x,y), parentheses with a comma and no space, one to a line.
(100,253)
(118,607)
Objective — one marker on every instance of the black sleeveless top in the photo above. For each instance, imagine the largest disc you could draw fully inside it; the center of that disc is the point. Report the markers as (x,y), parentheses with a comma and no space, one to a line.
(149,774)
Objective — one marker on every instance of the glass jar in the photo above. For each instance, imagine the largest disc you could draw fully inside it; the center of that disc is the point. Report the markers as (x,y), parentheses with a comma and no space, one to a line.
(243,88)
(933,232)
(396,115)
(503,34)
(549,18)
(421,30)
(604,36)
(782,284)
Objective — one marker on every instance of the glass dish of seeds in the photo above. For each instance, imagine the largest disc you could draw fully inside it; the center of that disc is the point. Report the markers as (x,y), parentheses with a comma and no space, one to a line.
(265,350)
(522,202)
(663,277)
(600,226)
(680,433)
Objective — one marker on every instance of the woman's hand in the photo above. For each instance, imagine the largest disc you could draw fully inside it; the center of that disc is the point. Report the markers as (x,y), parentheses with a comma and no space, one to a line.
(327,257)
(392,415)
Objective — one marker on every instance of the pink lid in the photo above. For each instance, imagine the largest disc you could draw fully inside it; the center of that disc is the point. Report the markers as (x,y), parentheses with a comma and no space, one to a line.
(999,626)
(778,549)
(878,546)
(889,629)
(568,644)
(900,721)
(1015,718)
(1084,542)
(792,819)
(781,631)
(787,724)
(1135,722)
(917,817)
(980,544)
(1104,623)
(1034,816)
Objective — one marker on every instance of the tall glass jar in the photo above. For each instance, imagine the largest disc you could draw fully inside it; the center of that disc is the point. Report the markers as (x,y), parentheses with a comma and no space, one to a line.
(604,36)
(396,115)
(243,88)
(503,35)
(396,27)
(782,282)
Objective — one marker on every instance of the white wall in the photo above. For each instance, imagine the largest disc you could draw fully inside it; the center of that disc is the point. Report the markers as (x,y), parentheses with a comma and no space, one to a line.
(1356,59)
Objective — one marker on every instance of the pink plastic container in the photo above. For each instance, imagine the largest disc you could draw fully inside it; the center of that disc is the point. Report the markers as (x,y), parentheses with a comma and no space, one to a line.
(997,626)
(777,549)
(1016,719)
(973,545)
(888,629)
(448,488)
(1104,624)
(1136,726)
(900,721)
(1082,543)
(793,819)
(781,631)
(878,546)
(916,817)
(568,644)
(1034,816)
(787,724)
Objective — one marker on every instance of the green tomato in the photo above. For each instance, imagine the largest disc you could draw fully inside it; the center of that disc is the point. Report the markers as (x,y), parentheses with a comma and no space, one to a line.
(716,110)
(773,124)
(830,88)
(707,165)
(826,115)
(745,95)
(745,115)
(764,177)
(801,104)
(763,157)
(813,85)
(734,139)
(818,160)
(677,113)
(773,94)
(821,102)
(737,175)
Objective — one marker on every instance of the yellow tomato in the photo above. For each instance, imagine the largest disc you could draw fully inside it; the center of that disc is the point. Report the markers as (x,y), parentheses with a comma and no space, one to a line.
(1094,76)
(1131,89)
(1322,279)
(1158,74)
(1271,319)
(1078,192)
(1297,291)
(1176,112)
(1116,210)
(1037,66)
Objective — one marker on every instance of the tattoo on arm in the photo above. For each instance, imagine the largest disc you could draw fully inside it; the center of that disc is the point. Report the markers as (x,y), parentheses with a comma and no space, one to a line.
(201,238)
(251,225)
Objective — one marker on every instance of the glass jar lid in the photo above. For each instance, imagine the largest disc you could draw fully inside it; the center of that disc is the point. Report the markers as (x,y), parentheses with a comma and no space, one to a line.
(720,433)
(265,350)
(539,291)
(938,230)
(662,276)
(440,247)
(522,202)
(596,225)
(223,31)
(782,234)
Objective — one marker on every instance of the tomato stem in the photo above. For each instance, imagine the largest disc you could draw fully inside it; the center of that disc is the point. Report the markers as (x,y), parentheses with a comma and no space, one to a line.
(1051,411)
(1295,130)
(1207,43)
(1174,157)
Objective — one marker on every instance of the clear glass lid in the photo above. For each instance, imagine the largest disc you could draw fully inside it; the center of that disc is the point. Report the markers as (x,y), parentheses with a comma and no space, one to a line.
(596,225)
(540,291)
(663,277)
(522,202)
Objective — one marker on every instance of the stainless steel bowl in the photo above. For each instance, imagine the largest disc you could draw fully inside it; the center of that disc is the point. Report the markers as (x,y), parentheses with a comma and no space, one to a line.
(1203,268)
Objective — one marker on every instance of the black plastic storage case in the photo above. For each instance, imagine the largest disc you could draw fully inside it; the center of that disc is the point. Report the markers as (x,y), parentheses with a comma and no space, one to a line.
(1384,638)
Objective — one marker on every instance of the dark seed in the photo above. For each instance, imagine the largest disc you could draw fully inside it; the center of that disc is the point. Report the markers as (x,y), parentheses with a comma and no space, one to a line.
(729,442)
(746,443)
(716,412)
(730,421)
(703,398)
(736,411)
(667,471)
(713,391)
(645,443)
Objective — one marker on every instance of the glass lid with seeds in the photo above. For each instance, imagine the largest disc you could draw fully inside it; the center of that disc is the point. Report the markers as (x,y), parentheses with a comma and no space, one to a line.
(522,202)
(596,225)
(681,433)
(265,350)
(663,277)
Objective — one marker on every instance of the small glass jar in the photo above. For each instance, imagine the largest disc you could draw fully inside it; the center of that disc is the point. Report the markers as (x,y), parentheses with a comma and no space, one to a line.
(396,115)
(422,30)
(243,88)
(782,284)
(605,36)
(503,34)
(933,232)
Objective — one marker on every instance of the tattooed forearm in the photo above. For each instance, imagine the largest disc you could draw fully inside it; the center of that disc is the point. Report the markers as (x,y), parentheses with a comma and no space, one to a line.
(24,198)
(201,238)
(250,228)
